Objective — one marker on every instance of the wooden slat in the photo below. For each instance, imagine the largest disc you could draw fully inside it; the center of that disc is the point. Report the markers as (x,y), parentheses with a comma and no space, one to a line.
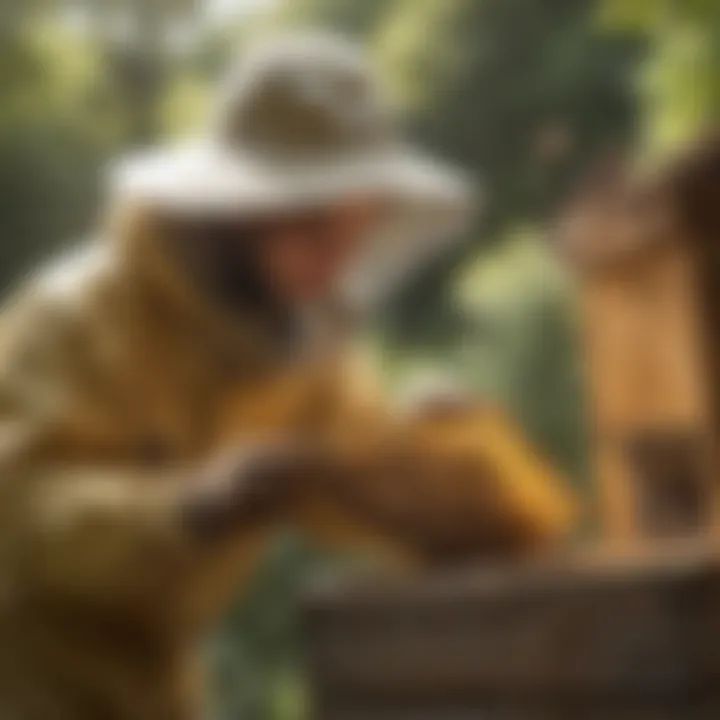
(646,374)
(641,631)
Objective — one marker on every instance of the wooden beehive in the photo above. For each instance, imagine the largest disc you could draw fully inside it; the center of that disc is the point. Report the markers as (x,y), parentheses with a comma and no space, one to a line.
(644,249)
(583,639)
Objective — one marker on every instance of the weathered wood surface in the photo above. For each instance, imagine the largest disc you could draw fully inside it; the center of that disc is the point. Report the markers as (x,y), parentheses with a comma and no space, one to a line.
(647,377)
(582,639)
(644,243)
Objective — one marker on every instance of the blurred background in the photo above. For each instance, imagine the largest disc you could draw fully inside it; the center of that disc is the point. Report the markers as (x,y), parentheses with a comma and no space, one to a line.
(526,94)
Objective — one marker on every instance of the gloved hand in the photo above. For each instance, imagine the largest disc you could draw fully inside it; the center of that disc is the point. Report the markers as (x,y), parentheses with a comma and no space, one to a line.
(438,400)
(253,485)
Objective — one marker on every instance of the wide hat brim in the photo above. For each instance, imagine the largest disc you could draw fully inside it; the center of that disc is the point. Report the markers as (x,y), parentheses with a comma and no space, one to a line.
(429,201)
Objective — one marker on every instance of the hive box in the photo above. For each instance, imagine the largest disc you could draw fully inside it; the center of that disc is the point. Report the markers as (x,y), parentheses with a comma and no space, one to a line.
(592,638)
(645,248)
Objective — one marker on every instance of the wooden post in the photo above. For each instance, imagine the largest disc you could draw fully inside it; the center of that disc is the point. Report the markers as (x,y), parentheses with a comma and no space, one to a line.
(650,352)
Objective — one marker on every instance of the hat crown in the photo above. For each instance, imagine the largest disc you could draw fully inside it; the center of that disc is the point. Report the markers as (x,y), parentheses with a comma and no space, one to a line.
(309,95)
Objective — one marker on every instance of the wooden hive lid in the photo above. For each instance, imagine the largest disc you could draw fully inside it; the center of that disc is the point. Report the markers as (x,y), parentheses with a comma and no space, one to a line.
(590,628)
(618,219)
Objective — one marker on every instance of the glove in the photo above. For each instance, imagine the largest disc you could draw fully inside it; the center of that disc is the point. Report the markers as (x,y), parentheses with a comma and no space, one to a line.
(252,486)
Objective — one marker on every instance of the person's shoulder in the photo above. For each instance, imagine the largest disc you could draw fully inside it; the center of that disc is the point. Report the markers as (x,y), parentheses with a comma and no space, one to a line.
(55,360)
(71,276)
(62,281)
(51,307)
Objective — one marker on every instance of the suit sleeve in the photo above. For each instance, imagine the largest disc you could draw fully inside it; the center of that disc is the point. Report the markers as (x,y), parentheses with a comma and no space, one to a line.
(442,488)
(159,540)
(94,530)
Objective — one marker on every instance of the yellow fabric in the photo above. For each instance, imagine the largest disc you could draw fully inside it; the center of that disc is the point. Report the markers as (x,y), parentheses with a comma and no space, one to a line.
(117,385)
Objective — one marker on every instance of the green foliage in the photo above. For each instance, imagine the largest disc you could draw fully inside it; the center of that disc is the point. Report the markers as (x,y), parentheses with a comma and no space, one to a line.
(256,657)
(523,93)
(520,344)
(352,17)
(512,89)
(49,147)
(680,80)
(71,99)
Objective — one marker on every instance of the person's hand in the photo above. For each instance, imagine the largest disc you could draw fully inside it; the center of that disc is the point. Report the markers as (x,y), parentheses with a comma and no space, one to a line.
(252,485)
(441,403)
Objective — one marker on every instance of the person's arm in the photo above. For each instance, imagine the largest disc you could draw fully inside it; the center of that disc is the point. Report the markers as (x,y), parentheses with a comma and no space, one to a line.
(443,489)
(133,535)
(454,480)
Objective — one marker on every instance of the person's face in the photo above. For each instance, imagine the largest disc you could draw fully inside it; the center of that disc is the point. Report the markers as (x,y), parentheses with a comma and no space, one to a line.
(303,257)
